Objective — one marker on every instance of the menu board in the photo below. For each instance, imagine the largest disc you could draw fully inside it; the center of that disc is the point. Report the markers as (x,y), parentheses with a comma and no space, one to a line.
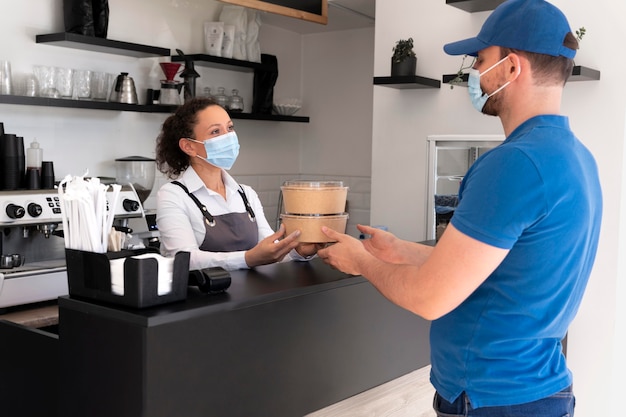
(310,10)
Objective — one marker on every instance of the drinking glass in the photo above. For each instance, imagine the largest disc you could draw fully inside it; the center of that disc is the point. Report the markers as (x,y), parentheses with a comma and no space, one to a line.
(46,75)
(63,81)
(81,85)
(100,85)
(5,78)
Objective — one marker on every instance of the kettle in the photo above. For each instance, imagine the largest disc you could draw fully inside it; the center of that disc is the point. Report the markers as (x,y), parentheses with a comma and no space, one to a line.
(123,90)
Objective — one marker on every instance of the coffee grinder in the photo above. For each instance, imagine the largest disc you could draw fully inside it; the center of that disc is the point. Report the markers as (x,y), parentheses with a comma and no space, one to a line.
(139,171)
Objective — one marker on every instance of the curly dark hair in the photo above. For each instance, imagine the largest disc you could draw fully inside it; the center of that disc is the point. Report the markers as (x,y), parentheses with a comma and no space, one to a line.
(170,159)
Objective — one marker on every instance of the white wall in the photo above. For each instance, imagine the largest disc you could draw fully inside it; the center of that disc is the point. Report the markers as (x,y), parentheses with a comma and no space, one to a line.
(404,118)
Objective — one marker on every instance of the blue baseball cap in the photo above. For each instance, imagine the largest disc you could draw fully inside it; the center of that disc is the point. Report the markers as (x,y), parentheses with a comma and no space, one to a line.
(528,25)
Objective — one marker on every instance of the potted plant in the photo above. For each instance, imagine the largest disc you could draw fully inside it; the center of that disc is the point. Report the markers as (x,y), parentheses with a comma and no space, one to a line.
(460,74)
(403,61)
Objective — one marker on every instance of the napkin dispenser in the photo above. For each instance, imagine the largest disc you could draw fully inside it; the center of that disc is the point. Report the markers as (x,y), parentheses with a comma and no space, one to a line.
(89,276)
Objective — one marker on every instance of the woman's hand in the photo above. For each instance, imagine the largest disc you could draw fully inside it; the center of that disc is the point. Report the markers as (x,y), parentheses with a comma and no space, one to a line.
(272,248)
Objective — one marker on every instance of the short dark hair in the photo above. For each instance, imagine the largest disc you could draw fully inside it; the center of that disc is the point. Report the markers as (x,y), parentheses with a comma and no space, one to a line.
(548,69)
(170,159)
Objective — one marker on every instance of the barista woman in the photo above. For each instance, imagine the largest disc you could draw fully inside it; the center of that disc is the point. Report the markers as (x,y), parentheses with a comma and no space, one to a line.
(204,210)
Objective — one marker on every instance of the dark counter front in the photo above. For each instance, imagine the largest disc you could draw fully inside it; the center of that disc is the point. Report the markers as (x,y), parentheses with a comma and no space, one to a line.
(285,340)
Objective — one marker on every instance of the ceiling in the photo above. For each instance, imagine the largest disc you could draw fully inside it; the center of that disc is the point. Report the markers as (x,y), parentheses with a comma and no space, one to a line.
(342,15)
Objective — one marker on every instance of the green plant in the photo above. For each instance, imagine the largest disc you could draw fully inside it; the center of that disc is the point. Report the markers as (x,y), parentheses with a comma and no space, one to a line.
(458,79)
(403,50)
(580,33)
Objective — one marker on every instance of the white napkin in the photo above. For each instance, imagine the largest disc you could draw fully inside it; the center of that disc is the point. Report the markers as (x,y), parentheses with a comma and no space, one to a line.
(117,275)
(164,279)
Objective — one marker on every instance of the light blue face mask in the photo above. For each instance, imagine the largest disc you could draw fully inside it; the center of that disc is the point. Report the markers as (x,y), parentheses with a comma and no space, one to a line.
(221,151)
(477,95)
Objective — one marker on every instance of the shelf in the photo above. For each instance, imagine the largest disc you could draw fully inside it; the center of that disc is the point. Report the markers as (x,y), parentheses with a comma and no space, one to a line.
(474,5)
(94,44)
(84,104)
(221,63)
(579,73)
(449,77)
(140,108)
(269,117)
(407,82)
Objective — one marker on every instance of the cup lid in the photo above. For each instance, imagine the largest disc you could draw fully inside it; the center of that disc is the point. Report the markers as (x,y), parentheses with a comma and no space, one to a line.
(313,184)
(135,159)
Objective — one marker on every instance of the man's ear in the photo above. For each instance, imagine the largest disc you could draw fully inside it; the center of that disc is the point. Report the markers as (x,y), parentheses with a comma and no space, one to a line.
(515,66)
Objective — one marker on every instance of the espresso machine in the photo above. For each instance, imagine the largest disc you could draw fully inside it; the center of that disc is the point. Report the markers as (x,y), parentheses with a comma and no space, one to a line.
(32,247)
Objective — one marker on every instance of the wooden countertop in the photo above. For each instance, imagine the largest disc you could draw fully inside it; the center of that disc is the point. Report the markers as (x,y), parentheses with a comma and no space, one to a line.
(34,316)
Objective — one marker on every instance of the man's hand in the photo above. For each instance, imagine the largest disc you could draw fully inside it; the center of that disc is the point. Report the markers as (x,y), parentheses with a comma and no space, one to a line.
(346,255)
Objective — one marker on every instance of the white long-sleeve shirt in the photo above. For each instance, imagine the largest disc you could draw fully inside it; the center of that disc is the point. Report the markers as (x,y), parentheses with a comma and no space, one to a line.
(181,224)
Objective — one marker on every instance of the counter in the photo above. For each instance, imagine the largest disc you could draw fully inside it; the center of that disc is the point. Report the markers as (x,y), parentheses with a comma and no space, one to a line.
(284,340)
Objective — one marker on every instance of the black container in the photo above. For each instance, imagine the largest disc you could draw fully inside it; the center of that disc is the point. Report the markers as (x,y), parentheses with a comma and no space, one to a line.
(33,179)
(47,175)
(263,87)
(10,174)
(89,276)
(21,162)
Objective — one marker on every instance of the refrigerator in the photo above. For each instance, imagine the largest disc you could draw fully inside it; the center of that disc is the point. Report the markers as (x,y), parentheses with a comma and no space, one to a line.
(449,158)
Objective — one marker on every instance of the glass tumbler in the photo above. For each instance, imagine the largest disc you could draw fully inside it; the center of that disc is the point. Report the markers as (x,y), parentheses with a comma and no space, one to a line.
(46,76)
(6,86)
(81,85)
(101,85)
(63,81)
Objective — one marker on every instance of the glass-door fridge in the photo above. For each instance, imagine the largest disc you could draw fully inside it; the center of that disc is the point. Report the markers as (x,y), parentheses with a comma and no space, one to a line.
(449,158)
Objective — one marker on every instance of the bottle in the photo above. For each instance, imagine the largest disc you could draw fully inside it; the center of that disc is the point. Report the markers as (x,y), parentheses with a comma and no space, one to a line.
(34,157)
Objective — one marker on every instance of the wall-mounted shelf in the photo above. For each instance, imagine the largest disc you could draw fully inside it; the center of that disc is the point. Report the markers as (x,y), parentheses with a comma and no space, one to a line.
(449,77)
(221,63)
(474,5)
(140,108)
(94,44)
(83,104)
(579,73)
(91,43)
(407,82)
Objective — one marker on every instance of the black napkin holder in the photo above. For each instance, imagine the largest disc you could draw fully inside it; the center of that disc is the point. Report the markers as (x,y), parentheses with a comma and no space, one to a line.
(89,276)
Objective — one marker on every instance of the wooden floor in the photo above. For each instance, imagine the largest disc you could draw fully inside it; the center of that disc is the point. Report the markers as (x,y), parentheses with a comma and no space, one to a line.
(410,395)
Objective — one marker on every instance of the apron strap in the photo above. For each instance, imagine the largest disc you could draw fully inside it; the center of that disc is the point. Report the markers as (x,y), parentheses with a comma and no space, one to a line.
(208,218)
(247,204)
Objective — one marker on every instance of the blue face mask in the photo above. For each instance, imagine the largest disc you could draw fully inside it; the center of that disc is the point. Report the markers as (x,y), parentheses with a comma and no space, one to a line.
(221,151)
(477,95)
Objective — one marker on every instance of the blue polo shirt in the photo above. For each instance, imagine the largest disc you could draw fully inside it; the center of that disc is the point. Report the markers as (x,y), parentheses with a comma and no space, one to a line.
(537,194)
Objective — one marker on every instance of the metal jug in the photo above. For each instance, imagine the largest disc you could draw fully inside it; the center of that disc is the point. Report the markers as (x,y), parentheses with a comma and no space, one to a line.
(123,90)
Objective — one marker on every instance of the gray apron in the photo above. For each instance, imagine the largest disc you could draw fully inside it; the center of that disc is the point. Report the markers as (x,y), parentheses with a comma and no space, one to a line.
(228,232)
